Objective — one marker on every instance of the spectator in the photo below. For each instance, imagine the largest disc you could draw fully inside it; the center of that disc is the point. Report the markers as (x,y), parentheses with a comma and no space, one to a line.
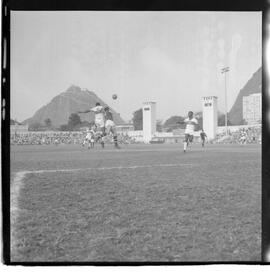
(253,135)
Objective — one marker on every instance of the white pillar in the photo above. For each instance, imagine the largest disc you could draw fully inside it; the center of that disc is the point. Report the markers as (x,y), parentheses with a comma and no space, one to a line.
(149,120)
(210,116)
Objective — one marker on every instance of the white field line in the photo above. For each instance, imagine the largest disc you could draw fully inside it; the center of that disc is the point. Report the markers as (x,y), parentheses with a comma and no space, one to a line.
(14,207)
(213,150)
(15,188)
(19,176)
(17,184)
(99,168)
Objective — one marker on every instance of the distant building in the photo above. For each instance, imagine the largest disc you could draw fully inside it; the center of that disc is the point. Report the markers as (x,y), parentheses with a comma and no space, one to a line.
(252,108)
(124,128)
(18,128)
(178,131)
(149,121)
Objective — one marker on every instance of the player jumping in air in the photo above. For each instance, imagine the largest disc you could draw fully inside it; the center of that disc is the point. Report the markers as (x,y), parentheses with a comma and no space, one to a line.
(203,136)
(99,119)
(110,126)
(190,127)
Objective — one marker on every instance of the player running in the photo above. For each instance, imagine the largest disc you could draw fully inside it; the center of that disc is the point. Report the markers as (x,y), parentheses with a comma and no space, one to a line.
(189,131)
(203,136)
(243,138)
(110,126)
(99,119)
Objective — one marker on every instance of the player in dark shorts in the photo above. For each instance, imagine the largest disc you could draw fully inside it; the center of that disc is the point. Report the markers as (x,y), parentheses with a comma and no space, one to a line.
(203,136)
(99,120)
(110,126)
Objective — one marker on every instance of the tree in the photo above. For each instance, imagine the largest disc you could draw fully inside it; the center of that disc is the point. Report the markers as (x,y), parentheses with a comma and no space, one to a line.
(48,122)
(138,119)
(198,116)
(159,126)
(74,120)
(221,120)
(36,126)
(243,122)
(174,122)
(64,128)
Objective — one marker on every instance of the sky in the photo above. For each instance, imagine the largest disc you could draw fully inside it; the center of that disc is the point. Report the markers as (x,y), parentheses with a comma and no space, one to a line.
(172,58)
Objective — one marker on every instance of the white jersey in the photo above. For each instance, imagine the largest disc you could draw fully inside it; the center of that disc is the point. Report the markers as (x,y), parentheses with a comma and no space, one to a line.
(99,115)
(190,125)
(89,134)
(109,123)
(243,136)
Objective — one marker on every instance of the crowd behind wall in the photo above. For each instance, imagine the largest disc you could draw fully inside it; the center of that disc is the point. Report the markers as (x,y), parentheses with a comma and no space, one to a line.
(253,135)
(48,138)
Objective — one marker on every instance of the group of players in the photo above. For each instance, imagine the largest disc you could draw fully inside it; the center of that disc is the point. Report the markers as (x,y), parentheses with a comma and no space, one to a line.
(105,126)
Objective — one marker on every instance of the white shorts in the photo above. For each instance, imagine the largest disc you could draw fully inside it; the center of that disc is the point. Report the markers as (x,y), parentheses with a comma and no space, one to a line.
(100,123)
(88,137)
(190,132)
(109,123)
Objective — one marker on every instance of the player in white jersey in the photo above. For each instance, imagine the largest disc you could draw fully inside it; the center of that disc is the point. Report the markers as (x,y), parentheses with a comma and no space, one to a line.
(99,119)
(89,138)
(191,123)
(243,138)
(110,126)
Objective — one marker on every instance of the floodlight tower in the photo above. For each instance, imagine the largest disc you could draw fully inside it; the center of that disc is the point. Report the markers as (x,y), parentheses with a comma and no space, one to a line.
(210,120)
(149,120)
(225,70)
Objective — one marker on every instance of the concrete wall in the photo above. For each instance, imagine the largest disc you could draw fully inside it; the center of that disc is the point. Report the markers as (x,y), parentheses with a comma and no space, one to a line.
(18,129)
(235,128)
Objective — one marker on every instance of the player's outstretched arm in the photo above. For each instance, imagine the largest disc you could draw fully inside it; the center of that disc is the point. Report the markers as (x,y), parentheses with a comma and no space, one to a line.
(86,111)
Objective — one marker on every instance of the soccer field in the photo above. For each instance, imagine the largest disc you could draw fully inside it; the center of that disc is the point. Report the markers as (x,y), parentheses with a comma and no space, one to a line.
(139,203)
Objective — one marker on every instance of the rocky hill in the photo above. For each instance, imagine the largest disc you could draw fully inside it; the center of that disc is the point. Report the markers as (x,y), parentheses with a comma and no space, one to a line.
(254,85)
(72,100)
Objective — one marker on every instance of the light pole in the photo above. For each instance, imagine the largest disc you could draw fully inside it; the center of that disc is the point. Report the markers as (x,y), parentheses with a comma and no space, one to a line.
(225,70)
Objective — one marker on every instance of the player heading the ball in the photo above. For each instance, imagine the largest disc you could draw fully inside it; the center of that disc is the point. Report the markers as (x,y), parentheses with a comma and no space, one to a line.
(110,126)
(99,118)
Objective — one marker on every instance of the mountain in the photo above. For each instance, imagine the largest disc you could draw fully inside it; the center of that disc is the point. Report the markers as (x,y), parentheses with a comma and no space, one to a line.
(72,100)
(254,85)
(14,122)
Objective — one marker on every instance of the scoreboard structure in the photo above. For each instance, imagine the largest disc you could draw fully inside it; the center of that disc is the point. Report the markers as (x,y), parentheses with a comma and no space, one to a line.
(149,121)
(210,116)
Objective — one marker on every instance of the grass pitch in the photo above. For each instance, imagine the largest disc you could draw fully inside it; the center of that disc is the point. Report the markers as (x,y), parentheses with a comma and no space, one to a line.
(140,203)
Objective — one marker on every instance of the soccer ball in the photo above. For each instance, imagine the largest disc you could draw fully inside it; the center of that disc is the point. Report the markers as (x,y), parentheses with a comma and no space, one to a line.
(114,97)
